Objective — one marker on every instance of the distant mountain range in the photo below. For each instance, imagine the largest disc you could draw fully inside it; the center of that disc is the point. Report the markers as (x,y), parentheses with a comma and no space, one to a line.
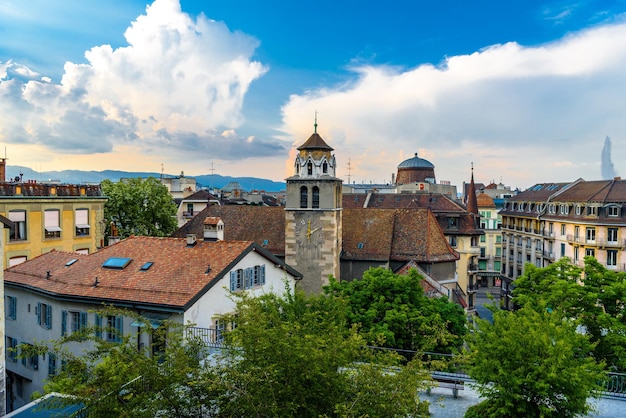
(77,176)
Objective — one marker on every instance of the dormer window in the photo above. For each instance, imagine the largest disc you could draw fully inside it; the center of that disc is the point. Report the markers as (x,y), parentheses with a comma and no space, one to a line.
(552,208)
(613,211)
(578,209)
(564,209)
(591,211)
(309,168)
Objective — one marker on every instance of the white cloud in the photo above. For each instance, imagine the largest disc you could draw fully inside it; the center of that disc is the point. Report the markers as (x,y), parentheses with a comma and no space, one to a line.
(526,114)
(173,88)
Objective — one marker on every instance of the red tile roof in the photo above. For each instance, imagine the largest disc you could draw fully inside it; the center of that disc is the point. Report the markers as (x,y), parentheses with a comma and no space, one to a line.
(177,277)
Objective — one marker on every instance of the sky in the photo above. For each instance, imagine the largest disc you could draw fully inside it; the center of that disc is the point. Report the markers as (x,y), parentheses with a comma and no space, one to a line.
(523,91)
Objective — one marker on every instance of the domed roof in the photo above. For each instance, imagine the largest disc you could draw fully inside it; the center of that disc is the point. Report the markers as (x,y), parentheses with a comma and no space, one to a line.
(416,162)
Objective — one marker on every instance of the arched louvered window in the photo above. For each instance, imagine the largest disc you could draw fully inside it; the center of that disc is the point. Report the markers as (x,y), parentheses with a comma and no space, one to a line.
(325,168)
(304,197)
(315,203)
(309,168)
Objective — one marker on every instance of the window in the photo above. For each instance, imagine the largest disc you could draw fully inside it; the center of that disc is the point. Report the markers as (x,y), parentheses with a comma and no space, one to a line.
(497,265)
(453,222)
(53,230)
(325,167)
(552,208)
(29,360)
(576,254)
(611,258)
(613,211)
(483,251)
(576,232)
(259,275)
(309,168)
(315,203)
(562,229)
(591,211)
(304,197)
(498,239)
(590,252)
(248,278)
(612,235)
(498,251)
(591,235)
(564,209)
(11,308)
(220,327)
(453,241)
(482,265)
(551,228)
(73,321)
(81,220)
(578,208)
(44,315)
(112,330)
(11,349)
(562,250)
(18,232)
(52,364)
(482,238)
(14,261)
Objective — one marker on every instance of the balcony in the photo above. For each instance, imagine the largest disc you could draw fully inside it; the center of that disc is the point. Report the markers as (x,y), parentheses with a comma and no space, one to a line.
(188,214)
(547,234)
(210,336)
(604,243)
(549,255)
(575,239)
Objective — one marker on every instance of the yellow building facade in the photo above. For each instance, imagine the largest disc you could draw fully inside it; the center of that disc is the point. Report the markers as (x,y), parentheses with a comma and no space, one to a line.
(49,217)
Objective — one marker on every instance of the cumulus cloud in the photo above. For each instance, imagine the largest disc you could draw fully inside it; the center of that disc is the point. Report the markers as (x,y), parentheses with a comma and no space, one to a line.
(529,114)
(177,84)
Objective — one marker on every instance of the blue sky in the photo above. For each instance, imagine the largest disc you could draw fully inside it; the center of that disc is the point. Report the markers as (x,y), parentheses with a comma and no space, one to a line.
(526,90)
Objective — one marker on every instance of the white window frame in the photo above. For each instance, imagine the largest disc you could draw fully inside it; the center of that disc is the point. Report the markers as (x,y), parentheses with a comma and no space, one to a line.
(11,307)
(590,235)
(19,232)
(81,222)
(611,258)
(613,211)
(52,222)
(612,234)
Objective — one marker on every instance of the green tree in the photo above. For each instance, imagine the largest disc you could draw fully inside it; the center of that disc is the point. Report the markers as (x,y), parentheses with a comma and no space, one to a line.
(531,363)
(289,355)
(393,310)
(296,355)
(139,207)
(593,296)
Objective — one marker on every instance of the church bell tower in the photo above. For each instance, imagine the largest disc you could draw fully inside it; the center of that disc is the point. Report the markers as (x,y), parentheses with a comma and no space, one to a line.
(313,215)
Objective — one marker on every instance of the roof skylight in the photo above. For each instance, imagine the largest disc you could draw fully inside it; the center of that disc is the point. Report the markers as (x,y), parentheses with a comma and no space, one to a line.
(117,263)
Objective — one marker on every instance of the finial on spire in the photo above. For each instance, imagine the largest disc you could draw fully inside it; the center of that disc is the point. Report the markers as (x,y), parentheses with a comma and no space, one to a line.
(315,124)
(472,163)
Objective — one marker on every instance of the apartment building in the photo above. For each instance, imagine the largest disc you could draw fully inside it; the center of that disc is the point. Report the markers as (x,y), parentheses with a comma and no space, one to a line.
(50,216)
(554,220)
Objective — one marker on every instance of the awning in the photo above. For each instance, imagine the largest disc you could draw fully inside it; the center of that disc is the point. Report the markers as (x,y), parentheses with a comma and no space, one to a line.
(53,229)
(82,226)
(154,319)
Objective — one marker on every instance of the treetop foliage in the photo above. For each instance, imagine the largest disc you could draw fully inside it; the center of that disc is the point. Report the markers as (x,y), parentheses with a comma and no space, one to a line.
(138,206)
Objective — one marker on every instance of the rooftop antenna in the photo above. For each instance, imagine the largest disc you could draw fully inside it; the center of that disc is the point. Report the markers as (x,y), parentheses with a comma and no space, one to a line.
(349,170)
(315,124)
(212,170)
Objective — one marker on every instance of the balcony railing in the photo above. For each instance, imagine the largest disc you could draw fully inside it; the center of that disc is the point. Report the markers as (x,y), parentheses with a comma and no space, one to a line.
(210,336)
(548,255)
(189,214)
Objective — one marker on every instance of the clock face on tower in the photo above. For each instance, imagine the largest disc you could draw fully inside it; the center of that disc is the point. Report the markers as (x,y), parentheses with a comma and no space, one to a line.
(309,235)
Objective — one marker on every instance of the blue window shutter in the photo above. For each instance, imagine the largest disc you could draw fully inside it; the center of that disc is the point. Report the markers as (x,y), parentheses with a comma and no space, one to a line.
(247,278)
(98,325)
(48,316)
(119,327)
(262,274)
(52,364)
(38,313)
(233,281)
(63,323)
(83,320)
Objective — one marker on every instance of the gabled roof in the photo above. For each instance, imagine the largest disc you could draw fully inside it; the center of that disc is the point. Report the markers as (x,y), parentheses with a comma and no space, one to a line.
(315,142)
(396,234)
(199,196)
(601,191)
(485,201)
(265,225)
(179,275)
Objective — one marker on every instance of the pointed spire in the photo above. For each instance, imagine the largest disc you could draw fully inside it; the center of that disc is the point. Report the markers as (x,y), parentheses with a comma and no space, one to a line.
(472,204)
(315,124)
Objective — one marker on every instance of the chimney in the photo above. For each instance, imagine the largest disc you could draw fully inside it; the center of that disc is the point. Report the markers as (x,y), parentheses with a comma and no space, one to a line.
(3,166)
(191,240)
